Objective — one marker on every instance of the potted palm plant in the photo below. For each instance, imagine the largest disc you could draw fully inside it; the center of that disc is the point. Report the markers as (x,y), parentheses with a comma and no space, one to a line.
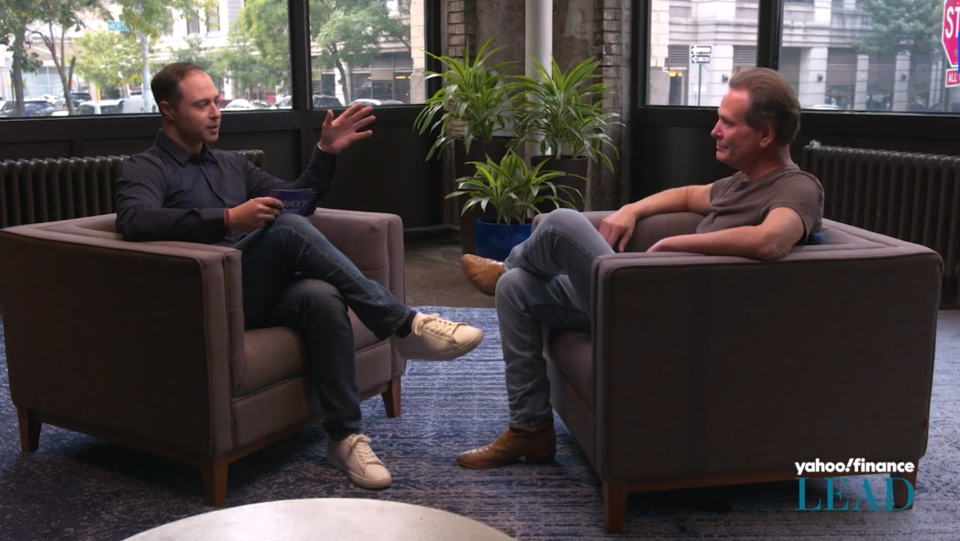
(565,109)
(469,109)
(511,192)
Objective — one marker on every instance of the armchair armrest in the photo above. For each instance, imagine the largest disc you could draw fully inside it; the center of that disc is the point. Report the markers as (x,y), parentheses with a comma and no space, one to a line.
(827,353)
(130,338)
(373,241)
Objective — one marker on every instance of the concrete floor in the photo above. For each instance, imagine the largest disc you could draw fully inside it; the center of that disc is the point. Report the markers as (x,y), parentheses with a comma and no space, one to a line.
(434,278)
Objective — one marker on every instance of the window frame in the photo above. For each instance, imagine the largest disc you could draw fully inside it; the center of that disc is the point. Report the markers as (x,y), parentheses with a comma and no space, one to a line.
(895,124)
(76,130)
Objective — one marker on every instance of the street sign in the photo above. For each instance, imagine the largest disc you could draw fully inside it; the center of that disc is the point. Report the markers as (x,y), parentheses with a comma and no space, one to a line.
(700,54)
(950,29)
(119,26)
(953,78)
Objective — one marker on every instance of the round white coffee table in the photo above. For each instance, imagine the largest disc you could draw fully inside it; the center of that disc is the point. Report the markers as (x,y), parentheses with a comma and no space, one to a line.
(345,519)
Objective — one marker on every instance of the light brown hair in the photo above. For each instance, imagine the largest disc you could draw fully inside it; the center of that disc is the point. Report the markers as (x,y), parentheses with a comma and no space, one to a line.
(773,102)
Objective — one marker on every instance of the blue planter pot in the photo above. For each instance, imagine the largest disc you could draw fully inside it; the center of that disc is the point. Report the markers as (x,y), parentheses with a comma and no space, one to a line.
(496,240)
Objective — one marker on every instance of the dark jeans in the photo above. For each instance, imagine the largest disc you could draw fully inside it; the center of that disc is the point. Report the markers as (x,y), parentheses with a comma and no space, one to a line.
(293,277)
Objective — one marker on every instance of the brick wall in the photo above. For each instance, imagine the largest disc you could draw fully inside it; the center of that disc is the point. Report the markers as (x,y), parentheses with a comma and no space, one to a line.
(609,189)
(461,27)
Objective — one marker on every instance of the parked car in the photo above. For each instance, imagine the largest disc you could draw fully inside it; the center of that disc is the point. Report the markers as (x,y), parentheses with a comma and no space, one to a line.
(248,105)
(98,107)
(324,101)
(32,108)
(376,103)
(319,102)
(78,97)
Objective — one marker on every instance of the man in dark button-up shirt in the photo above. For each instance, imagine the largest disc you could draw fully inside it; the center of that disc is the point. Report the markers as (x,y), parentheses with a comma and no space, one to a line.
(171,193)
(180,189)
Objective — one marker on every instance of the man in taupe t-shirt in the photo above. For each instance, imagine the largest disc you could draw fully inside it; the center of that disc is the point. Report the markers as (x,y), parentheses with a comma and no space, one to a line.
(761,212)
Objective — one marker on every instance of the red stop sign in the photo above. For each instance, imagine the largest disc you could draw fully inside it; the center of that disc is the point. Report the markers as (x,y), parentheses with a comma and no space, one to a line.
(951,27)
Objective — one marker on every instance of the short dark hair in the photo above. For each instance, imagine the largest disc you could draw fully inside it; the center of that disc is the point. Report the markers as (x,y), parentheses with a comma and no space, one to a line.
(773,102)
(166,83)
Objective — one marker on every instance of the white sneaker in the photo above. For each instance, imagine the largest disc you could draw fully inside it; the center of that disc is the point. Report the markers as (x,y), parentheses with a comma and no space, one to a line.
(354,457)
(434,338)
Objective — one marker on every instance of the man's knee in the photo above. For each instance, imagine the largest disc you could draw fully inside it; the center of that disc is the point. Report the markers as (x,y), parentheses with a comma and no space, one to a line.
(304,228)
(292,220)
(565,220)
(513,284)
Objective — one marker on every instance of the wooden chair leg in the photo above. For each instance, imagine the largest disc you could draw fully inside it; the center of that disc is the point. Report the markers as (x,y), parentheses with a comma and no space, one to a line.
(901,494)
(215,482)
(614,505)
(391,398)
(29,431)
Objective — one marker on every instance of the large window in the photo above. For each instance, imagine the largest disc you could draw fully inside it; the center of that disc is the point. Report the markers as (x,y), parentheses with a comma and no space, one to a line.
(243,45)
(368,50)
(696,46)
(856,55)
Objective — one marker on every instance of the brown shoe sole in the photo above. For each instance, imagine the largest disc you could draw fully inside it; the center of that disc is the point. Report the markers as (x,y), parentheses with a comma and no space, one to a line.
(531,459)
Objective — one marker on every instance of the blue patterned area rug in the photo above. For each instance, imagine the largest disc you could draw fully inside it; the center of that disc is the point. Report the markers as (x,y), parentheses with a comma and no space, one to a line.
(78,487)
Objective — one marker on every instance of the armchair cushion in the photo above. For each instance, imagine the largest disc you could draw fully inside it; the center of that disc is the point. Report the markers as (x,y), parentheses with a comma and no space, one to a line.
(275,354)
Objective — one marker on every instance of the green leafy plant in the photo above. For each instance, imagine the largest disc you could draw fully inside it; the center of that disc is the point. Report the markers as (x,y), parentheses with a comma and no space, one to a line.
(511,188)
(566,110)
(474,96)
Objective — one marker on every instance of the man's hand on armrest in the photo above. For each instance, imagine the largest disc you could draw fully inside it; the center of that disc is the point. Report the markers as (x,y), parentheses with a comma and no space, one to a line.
(620,225)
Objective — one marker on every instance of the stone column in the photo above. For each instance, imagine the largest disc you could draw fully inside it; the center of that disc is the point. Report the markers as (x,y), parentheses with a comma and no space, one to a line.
(901,83)
(813,76)
(860,95)
(658,91)
(712,85)
(418,90)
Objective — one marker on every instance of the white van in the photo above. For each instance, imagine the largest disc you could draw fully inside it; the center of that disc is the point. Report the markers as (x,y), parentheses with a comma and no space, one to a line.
(134,105)
(123,106)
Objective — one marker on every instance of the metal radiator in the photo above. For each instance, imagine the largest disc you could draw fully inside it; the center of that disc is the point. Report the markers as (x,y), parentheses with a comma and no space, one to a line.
(910,196)
(35,191)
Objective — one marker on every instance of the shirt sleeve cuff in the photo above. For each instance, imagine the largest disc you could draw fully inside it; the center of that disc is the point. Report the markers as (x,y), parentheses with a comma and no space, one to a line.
(214,221)
(322,156)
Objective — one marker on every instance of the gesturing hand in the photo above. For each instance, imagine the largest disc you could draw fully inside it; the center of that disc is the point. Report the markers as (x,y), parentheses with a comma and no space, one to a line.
(338,134)
(618,226)
(254,214)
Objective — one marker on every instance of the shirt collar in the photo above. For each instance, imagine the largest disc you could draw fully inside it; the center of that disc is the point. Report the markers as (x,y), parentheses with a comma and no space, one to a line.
(179,153)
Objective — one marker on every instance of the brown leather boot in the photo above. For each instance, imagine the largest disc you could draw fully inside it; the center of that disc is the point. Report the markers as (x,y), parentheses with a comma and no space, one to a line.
(482,272)
(537,444)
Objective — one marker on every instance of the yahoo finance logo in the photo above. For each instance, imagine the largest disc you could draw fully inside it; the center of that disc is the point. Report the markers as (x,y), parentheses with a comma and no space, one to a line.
(842,496)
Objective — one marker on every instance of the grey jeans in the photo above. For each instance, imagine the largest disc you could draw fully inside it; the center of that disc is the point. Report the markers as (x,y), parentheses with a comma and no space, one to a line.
(546,283)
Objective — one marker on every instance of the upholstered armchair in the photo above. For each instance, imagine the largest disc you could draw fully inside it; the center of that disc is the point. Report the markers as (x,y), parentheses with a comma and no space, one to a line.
(143,343)
(708,370)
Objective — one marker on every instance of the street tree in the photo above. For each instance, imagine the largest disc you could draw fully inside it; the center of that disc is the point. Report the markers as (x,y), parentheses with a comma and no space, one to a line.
(148,20)
(54,21)
(108,59)
(902,26)
(16,16)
